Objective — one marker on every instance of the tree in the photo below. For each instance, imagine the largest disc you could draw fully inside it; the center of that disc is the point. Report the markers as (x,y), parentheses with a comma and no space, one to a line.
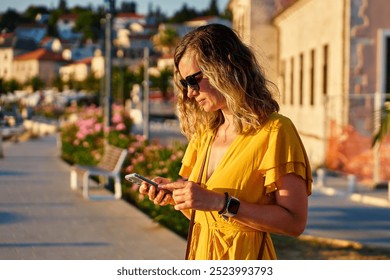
(123,81)
(227,14)
(2,86)
(213,9)
(88,23)
(52,24)
(162,81)
(166,40)
(91,84)
(184,14)
(9,86)
(130,79)
(156,16)
(62,6)
(10,20)
(58,83)
(36,83)
(33,11)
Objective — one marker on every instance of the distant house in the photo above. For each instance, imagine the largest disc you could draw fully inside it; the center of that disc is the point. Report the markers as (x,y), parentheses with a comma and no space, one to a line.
(65,25)
(138,42)
(11,46)
(81,69)
(124,20)
(76,53)
(32,31)
(78,70)
(40,63)
(133,34)
(42,18)
(51,43)
(166,61)
(6,56)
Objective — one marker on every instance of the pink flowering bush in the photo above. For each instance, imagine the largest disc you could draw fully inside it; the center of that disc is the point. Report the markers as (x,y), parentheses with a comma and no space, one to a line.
(155,159)
(82,143)
(82,140)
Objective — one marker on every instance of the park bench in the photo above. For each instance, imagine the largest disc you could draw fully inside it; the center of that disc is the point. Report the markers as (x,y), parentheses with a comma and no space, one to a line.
(109,167)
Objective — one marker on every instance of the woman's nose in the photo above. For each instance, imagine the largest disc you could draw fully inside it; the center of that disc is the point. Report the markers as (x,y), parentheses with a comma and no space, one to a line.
(191,92)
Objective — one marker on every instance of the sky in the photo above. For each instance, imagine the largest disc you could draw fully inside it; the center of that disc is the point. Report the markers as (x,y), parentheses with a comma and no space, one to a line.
(166,6)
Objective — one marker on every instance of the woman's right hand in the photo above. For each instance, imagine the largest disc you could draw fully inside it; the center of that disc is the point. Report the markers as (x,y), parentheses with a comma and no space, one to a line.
(160,197)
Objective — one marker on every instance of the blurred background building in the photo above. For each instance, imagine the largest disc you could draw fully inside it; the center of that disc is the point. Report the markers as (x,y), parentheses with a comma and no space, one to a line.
(331,62)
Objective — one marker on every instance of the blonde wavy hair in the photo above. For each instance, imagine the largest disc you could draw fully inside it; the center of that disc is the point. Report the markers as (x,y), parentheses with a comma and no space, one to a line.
(232,69)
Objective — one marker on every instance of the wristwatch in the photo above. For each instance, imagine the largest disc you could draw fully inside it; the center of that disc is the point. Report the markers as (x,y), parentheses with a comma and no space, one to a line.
(232,204)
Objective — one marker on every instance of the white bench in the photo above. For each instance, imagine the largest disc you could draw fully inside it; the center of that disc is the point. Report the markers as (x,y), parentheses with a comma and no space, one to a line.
(109,167)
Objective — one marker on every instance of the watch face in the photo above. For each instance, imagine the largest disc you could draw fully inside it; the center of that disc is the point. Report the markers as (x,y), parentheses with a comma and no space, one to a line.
(233,206)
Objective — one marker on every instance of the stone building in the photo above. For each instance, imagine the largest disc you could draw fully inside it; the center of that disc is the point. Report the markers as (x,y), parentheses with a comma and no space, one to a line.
(331,62)
(40,63)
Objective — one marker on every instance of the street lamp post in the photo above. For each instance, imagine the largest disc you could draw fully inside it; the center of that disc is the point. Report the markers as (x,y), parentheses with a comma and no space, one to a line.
(1,140)
(110,8)
(1,132)
(121,55)
(146,95)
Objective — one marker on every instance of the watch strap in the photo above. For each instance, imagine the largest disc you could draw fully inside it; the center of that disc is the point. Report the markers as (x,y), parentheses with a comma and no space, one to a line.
(223,210)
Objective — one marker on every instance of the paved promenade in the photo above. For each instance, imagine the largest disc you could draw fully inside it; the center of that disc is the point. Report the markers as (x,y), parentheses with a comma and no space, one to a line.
(42,218)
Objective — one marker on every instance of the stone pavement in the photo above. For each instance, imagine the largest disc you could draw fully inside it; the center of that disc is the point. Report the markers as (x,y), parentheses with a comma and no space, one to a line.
(343,211)
(347,187)
(42,218)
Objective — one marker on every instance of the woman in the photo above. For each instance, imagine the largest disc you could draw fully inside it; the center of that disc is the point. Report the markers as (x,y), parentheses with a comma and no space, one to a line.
(255,174)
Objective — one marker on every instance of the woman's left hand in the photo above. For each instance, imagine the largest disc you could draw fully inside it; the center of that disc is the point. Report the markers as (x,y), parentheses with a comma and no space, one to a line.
(190,195)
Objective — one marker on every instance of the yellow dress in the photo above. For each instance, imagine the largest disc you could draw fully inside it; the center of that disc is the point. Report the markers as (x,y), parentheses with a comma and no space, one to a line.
(248,170)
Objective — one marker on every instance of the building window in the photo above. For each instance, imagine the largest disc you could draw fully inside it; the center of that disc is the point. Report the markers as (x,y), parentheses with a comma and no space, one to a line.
(325,71)
(283,80)
(301,79)
(292,82)
(312,67)
(387,74)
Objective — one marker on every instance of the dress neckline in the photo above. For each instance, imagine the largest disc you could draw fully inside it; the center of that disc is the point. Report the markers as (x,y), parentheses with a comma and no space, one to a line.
(209,147)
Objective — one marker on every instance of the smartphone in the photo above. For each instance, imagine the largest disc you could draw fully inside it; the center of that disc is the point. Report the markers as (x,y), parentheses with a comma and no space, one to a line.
(138,179)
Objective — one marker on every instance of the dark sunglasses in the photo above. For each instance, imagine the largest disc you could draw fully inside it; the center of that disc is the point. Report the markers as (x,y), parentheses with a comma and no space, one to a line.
(191,81)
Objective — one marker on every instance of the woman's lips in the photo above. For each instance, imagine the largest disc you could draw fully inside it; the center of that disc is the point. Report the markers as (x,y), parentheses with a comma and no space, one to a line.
(201,102)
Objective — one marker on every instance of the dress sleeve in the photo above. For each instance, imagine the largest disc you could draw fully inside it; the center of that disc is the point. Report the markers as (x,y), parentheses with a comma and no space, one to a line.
(285,154)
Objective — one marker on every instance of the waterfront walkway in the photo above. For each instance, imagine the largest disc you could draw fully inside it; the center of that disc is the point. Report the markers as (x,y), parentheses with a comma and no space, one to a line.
(42,218)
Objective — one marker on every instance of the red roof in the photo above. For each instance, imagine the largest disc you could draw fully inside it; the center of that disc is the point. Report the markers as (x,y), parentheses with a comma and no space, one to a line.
(87,60)
(40,54)
(7,35)
(46,39)
(69,17)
